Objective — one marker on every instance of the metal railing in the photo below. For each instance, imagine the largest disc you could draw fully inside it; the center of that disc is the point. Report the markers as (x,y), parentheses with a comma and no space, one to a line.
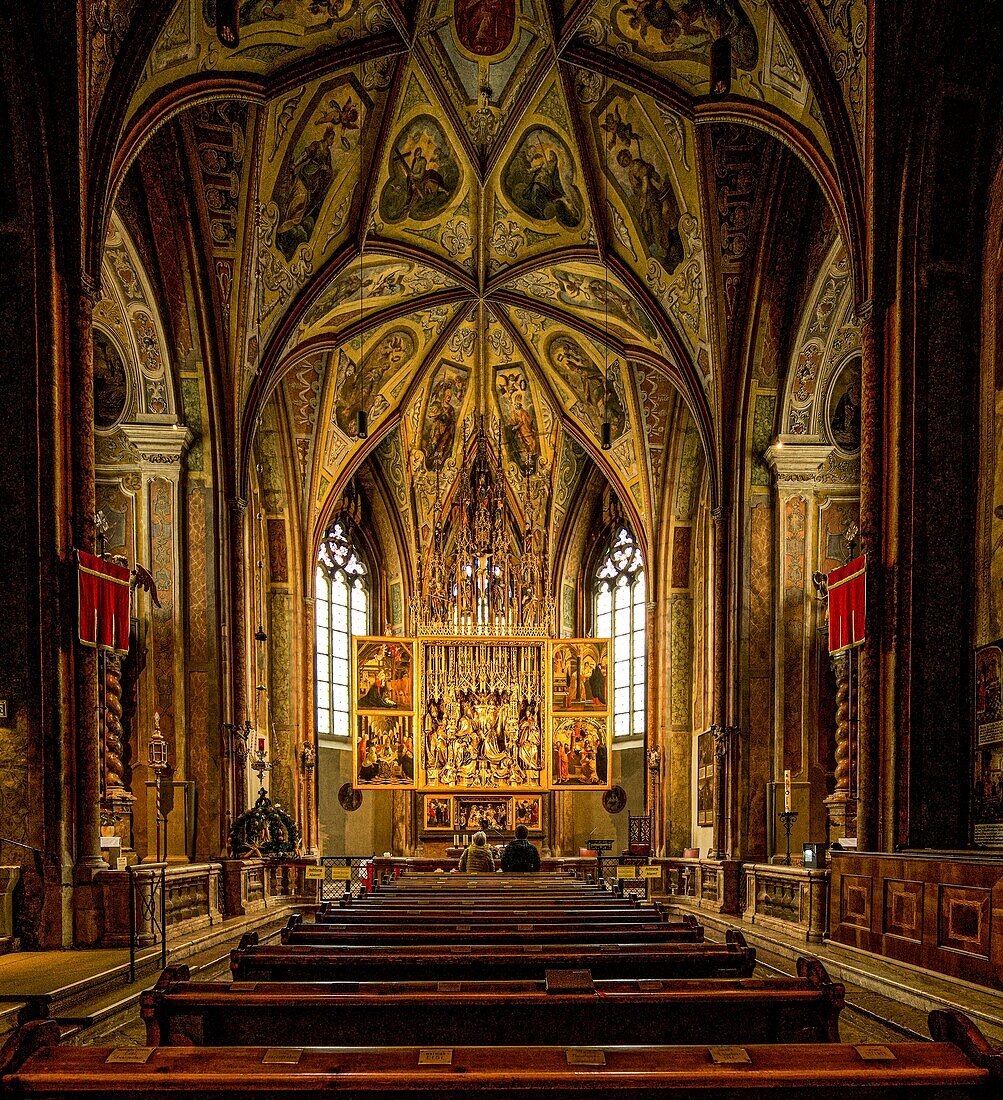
(332,889)
(147,911)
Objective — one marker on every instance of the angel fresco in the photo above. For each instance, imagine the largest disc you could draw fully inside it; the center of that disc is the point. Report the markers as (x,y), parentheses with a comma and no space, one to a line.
(438,429)
(519,417)
(539,179)
(358,386)
(309,171)
(424,174)
(685,29)
(587,383)
(643,177)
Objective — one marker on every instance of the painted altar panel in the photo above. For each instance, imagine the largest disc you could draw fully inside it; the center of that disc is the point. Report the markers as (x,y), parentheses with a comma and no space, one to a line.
(579,676)
(438,812)
(483,715)
(383,702)
(580,752)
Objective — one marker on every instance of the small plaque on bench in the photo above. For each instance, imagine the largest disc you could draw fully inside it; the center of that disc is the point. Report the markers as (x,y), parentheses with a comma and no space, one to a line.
(285,1055)
(463,928)
(524,928)
(134,1055)
(447,987)
(569,981)
(579,1056)
(609,947)
(729,1056)
(872,1052)
(651,872)
(459,949)
(532,947)
(650,985)
(435,1056)
(241,987)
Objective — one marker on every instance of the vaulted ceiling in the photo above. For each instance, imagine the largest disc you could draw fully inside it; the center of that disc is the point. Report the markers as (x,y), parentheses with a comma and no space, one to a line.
(436,209)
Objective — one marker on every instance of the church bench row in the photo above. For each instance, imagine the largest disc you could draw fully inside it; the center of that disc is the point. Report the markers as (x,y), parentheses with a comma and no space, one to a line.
(451,912)
(326,935)
(958,1064)
(459,962)
(568,1006)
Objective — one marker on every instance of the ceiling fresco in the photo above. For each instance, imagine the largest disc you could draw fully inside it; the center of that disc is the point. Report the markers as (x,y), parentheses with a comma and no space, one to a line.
(671,40)
(527,210)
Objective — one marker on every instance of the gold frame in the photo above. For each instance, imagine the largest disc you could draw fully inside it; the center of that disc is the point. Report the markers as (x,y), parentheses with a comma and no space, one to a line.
(362,715)
(603,722)
(538,643)
(425,798)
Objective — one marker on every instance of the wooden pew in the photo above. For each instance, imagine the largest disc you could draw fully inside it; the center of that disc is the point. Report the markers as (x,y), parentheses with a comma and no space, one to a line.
(960,1063)
(250,961)
(567,1004)
(327,935)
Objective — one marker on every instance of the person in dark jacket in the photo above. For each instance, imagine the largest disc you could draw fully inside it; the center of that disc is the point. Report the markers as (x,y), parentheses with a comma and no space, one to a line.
(519,854)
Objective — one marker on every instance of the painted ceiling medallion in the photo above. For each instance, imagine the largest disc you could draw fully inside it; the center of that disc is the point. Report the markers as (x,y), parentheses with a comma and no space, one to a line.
(485,28)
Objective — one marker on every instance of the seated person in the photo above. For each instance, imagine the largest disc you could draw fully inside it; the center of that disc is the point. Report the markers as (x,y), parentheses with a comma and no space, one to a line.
(519,854)
(477,856)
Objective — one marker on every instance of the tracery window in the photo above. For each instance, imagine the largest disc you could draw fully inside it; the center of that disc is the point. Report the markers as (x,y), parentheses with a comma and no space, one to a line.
(342,609)
(620,614)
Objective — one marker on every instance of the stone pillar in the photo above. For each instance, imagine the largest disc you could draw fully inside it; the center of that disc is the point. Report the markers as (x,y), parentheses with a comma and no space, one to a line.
(722,770)
(308,767)
(238,639)
(9,878)
(161,445)
(87,766)
(797,462)
(871,503)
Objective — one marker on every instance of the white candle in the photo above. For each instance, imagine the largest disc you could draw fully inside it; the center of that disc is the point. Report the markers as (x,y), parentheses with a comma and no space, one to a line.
(787,791)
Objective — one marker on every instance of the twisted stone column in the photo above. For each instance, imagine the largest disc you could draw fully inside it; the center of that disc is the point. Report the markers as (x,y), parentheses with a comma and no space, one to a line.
(88,743)
(841,805)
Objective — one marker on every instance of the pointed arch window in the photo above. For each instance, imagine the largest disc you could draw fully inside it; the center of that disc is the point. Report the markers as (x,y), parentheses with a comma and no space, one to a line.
(342,610)
(620,613)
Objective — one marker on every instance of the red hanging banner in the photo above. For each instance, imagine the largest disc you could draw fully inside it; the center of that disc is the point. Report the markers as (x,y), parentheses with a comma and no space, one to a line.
(103,588)
(847,591)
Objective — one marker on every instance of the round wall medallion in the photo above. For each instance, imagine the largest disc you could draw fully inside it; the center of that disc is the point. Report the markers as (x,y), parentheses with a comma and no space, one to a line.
(349,797)
(614,800)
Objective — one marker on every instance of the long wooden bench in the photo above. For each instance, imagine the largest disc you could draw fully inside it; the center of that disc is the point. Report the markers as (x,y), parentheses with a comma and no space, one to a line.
(959,1063)
(567,1004)
(250,961)
(520,932)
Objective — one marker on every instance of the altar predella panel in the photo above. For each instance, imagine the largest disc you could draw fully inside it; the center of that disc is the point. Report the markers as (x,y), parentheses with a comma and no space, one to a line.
(481,714)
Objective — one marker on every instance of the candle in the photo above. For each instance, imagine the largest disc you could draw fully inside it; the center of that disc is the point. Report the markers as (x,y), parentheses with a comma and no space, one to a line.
(787,792)
(261,748)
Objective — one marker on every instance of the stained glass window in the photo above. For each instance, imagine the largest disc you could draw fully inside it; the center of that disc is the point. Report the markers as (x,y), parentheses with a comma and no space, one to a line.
(341,610)
(620,614)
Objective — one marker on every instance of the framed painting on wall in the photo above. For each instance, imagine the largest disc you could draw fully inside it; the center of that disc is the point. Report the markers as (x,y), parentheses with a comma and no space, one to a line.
(705,779)
(579,676)
(987,755)
(492,813)
(383,674)
(528,811)
(580,752)
(383,751)
(438,811)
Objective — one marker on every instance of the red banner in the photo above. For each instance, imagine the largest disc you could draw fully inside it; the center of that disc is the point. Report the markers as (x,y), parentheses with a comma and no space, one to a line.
(103,589)
(847,592)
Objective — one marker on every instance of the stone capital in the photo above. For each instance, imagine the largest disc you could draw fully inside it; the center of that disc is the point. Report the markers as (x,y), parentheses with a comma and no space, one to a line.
(161,446)
(797,460)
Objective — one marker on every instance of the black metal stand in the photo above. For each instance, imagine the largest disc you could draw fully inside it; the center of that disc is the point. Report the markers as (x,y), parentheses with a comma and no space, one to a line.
(788,817)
